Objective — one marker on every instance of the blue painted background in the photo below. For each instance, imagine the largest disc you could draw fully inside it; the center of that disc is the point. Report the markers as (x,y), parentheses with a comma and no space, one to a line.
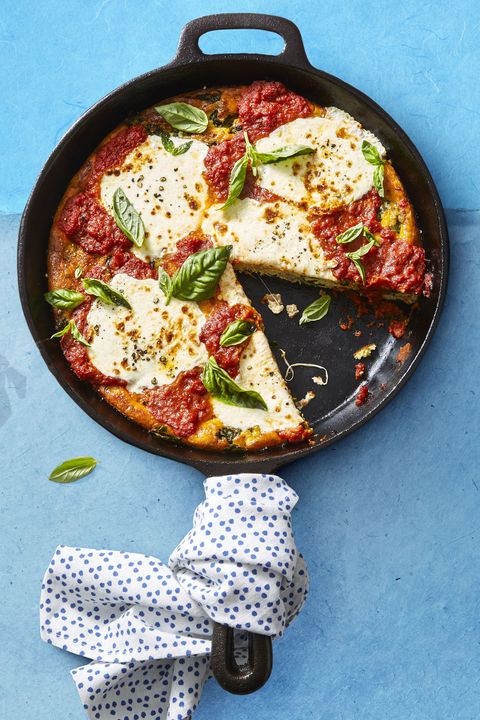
(388,518)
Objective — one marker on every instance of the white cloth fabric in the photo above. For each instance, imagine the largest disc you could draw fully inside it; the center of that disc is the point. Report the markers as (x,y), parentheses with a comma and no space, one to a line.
(146,626)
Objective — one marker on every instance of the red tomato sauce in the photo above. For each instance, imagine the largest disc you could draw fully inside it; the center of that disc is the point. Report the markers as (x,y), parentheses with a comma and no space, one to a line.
(395,265)
(295,434)
(219,163)
(221,316)
(183,405)
(266,105)
(77,354)
(86,222)
(189,245)
(129,264)
(115,150)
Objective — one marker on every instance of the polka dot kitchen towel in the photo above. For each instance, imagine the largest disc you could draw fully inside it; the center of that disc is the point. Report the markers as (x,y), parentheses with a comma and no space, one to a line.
(146,626)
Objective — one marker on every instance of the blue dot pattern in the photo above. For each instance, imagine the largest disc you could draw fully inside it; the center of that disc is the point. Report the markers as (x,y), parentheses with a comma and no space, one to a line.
(146,626)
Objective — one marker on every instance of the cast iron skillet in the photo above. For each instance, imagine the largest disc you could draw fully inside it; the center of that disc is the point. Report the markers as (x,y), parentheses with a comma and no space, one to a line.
(333,413)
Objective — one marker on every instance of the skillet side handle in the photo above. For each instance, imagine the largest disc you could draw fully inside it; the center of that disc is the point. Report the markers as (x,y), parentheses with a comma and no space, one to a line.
(293,52)
(240,679)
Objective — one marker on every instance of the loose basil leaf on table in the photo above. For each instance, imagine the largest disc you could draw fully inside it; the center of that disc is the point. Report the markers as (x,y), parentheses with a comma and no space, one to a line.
(73,469)
(237,332)
(105,292)
(316,310)
(127,218)
(183,116)
(64,299)
(221,386)
(170,146)
(198,277)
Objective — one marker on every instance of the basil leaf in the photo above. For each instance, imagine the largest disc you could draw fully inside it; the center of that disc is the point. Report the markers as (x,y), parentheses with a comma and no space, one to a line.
(237,332)
(64,299)
(356,254)
(105,292)
(221,386)
(183,116)
(77,335)
(198,277)
(370,236)
(316,310)
(371,154)
(237,181)
(78,272)
(349,235)
(62,332)
(283,153)
(127,218)
(165,282)
(72,470)
(170,147)
(360,268)
(378,175)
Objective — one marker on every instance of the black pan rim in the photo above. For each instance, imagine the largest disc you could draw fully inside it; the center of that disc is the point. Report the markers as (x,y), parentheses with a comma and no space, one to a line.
(270,459)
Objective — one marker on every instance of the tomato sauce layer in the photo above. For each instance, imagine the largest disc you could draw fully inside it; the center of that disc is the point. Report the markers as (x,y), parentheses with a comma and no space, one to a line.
(395,265)
(189,245)
(184,405)
(112,154)
(87,223)
(266,105)
(221,316)
(295,434)
(77,354)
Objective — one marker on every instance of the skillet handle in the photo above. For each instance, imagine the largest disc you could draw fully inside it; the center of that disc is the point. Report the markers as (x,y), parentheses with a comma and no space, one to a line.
(293,52)
(240,679)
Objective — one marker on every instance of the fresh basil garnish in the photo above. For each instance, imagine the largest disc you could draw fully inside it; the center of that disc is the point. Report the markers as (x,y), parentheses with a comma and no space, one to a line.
(64,299)
(71,326)
(127,218)
(283,153)
(316,310)
(237,332)
(378,177)
(371,155)
(357,254)
(237,181)
(221,386)
(170,146)
(254,158)
(349,235)
(78,272)
(105,292)
(183,116)
(73,469)
(198,277)
(355,232)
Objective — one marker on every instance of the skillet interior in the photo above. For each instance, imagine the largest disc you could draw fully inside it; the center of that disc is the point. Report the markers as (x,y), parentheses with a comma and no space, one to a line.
(333,413)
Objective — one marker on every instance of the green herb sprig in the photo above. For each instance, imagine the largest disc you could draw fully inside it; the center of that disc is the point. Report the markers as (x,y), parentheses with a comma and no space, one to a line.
(183,116)
(371,155)
(198,277)
(221,386)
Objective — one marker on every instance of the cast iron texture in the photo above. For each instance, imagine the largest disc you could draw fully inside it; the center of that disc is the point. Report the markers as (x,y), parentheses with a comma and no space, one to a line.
(333,414)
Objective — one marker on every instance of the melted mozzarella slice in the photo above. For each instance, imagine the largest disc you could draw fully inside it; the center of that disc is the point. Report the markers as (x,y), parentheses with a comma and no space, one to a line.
(259,371)
(168,191)
(273,238)
(336,174)
(150,344)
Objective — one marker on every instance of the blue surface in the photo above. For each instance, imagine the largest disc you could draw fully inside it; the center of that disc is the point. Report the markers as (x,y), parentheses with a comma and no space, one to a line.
(388,518)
